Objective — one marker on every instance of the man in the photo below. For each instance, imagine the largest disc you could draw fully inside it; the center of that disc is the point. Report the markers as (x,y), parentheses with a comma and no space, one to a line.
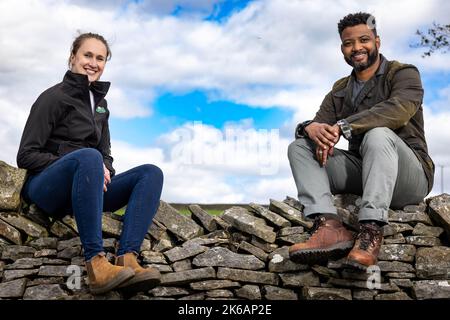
(378,109)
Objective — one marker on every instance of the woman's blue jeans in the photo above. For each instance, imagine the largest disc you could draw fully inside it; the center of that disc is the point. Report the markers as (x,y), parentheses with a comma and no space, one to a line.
(75,183)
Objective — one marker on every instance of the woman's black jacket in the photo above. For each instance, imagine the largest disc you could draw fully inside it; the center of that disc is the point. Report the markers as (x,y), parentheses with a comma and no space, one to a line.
(62,120)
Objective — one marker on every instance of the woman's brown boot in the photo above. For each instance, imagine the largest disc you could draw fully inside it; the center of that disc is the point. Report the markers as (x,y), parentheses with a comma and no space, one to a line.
(144,279)
(104,276)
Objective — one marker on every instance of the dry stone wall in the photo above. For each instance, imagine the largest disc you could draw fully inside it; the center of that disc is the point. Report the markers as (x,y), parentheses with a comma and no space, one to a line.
(239,254)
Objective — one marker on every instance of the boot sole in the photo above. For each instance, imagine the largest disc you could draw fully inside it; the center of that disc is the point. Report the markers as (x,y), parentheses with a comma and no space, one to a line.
(317,256)
(140,284)
(122,277)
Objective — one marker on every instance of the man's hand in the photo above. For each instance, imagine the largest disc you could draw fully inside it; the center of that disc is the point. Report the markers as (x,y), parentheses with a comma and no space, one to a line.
(325,148)
(107,178)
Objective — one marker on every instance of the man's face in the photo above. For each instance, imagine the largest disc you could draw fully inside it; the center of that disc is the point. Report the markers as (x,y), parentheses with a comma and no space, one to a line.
(360,46)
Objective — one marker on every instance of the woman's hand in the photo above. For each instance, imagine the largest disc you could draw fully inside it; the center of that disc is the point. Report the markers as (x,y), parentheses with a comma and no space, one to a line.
(107,178)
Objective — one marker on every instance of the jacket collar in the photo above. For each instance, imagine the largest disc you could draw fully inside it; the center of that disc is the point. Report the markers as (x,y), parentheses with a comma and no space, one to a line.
(81,82)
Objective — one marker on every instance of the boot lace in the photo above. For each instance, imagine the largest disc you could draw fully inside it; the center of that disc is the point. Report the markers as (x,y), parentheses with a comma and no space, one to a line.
(368,235)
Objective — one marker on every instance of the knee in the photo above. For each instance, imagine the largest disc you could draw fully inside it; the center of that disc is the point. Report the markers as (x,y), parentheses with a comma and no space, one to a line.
(297,146)
(377,138)
(153,172)
(89,154)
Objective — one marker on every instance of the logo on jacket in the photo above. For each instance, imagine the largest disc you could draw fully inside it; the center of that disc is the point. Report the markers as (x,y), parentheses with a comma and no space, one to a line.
(100,109)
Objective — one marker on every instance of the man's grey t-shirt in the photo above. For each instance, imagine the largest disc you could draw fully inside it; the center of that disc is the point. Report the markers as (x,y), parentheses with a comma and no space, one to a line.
(357,87)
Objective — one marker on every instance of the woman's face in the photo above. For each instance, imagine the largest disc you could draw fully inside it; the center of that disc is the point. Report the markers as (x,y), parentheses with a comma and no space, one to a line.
(90,59)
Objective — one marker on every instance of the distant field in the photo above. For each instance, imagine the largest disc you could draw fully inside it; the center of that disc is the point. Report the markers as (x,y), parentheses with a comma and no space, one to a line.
(214,210)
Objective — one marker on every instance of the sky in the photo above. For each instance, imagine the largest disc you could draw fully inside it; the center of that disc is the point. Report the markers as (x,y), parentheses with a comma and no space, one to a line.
(211,90)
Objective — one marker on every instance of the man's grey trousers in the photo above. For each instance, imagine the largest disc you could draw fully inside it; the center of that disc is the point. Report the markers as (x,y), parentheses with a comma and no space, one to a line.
(388,174)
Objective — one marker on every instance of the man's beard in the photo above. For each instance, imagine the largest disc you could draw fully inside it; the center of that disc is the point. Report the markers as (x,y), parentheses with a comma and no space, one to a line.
(371,59)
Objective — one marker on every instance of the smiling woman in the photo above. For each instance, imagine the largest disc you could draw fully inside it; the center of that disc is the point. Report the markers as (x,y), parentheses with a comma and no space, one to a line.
(66,149)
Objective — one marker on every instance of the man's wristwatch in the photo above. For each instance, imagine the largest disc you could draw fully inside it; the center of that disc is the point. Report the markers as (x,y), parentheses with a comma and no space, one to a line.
(345,128)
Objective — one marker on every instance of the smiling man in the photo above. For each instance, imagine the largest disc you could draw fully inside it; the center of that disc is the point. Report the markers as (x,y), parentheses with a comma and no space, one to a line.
(378,109)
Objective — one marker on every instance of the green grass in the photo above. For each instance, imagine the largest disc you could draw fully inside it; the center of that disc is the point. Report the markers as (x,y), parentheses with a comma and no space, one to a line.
(213,212)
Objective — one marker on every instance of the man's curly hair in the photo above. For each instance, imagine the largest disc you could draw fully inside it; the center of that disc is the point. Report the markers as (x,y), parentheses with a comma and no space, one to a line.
(354,19)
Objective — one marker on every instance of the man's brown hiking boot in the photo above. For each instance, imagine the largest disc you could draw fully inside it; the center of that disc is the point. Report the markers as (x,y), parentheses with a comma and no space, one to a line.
(104,276)
(144,279)
(367,246)
(329,240)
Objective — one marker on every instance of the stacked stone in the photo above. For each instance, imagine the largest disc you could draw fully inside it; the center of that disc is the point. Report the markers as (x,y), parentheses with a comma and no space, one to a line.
(240,254)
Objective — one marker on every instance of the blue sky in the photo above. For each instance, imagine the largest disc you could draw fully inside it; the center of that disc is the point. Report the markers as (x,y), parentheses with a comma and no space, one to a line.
(186,74)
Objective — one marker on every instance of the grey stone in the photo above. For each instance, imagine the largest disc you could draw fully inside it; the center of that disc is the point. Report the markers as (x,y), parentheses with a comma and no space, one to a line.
(182,265)
(395,239)
(168,291)
(110,244)
(206,241)
(49,280)
(219,293)
(14,274)
(163,268)
(74,242)
(294,203)
(156,229)
(433,263)
(277,293)
(422,230)
(249,291)
(140,297)
(279,261)
(11,182)
(397,252)
(62,231)
(313,293)
(294,238)
(164,243)
(402,283)
(299,279)
(218,234)
(290,231)
(421,207)
(261,244)
(394,228)
(423,241)
(55,261)
(44,292)
(53,271)
(45,253)
(69,253)
(203,217)
(35,214)
(195,296)
(153,257)
(10,233)
(183,252)
(146,245)
(401,275)
(348,218)
(222,223)
(407,217)
(431,289)
(257,252)
(345,200)
(361,294)
(184,277)
(439,209)
(388,287)
(182,226)
(25,263)
(356,274)
(13,289)
(241,219)
(270,216)
(70,221)
(393,296)
(15,252)
(77,261)
(44,243)
(247,276)
(290,213)
(214,284)
(111,227)
(222,257)
(395,266)
(20,222)
(325,272)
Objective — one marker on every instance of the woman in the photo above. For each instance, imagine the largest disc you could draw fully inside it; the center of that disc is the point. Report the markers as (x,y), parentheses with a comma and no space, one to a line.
(65,147)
